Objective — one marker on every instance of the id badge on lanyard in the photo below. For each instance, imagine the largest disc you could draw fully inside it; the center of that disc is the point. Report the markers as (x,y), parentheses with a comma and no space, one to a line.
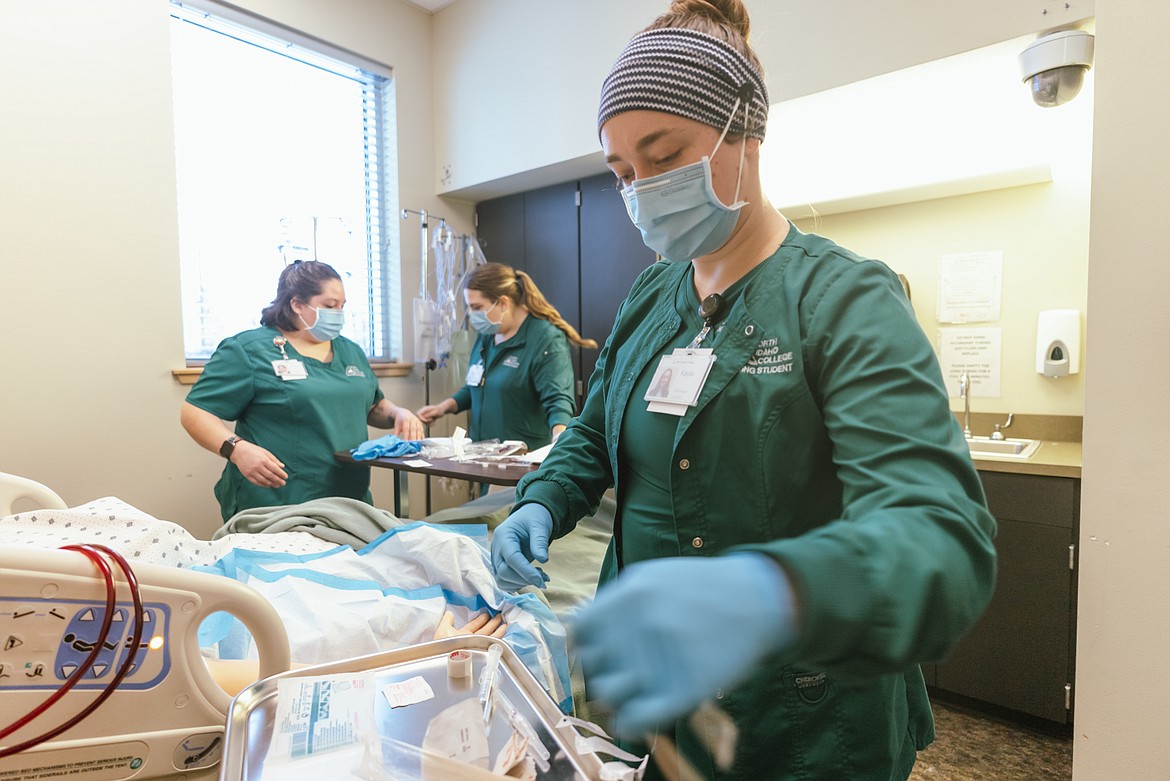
(475,375)
(680,376)
(679,380)
(287,368)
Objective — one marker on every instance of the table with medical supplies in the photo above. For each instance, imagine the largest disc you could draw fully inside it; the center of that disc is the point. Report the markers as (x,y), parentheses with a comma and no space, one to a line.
(476,470)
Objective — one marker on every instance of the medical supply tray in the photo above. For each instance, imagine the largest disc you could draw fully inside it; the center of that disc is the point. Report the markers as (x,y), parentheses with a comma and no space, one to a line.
(252,716)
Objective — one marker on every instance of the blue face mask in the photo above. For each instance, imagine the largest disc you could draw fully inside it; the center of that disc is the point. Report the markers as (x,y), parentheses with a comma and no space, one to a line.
(480,322)
(678,212)
(328,325)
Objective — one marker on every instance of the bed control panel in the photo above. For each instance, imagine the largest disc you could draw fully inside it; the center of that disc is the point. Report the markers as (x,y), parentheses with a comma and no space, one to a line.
(43,643)
(166,716)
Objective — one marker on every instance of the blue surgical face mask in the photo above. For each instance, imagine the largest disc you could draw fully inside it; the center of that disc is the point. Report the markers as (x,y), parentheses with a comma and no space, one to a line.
(480,322)
(327,326)
(678,212)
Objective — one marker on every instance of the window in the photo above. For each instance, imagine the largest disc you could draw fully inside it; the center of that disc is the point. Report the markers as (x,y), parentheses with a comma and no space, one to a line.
(285,150)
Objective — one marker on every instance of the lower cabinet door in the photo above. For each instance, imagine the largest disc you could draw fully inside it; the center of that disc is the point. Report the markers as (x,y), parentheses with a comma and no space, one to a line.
(1017,655)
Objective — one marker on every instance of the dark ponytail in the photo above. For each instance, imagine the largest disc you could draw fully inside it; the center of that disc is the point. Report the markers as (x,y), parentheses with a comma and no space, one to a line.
(496,279)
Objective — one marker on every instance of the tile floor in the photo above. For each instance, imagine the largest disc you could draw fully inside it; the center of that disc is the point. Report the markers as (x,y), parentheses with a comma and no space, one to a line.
(973,746)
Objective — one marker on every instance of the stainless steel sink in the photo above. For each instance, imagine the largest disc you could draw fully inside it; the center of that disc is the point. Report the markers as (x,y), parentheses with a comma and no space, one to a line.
(1010,448)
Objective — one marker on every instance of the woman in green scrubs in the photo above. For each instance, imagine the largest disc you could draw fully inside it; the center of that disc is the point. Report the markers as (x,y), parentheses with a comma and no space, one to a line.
(799,522)
(298,392)
(520,382)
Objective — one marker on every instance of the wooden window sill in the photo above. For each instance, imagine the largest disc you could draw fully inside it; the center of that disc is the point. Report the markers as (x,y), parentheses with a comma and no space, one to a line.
(188,374)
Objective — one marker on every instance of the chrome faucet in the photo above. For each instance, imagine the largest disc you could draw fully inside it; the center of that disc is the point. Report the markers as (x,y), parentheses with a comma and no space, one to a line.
(999,427)
(965,395)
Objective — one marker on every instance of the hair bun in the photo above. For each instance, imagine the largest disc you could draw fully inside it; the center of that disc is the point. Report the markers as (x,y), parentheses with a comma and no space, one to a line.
(730,13)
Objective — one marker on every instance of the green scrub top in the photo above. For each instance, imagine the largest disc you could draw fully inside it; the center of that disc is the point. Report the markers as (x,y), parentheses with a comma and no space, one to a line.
(301,422)
(647,523)
(526,385)
(823,437)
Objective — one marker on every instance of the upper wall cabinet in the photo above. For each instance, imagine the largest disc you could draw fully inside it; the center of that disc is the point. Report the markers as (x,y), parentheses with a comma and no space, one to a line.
(577,243)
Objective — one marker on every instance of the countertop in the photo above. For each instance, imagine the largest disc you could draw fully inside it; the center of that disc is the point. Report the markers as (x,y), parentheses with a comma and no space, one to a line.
(1054,459)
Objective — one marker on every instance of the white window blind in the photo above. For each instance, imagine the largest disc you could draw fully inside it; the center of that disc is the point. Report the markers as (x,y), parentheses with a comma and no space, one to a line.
(284,151)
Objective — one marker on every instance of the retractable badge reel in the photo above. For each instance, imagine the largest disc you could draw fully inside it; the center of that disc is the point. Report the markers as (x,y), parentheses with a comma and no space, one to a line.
(680,376)
(287,368)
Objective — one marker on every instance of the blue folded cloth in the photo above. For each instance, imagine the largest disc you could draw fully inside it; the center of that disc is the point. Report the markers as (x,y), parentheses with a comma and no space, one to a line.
(389,445)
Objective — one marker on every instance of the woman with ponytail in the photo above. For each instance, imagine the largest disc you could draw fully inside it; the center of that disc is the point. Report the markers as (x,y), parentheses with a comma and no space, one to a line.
(799,526)
(520,382)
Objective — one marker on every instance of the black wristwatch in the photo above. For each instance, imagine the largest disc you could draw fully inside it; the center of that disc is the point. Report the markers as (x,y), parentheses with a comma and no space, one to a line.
(228,446)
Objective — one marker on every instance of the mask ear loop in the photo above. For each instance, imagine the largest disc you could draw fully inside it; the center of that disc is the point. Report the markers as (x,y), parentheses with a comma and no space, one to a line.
(745,95)
(743,98)
(726,127)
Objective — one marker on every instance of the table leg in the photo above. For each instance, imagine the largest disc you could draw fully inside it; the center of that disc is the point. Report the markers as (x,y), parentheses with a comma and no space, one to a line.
(401,494)
(395,476)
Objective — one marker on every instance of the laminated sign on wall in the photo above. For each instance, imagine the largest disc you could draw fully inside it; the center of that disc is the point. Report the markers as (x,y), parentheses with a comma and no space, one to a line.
(969,286)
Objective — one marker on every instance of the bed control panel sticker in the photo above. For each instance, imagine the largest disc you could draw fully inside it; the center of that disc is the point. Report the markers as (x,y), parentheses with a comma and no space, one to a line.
(108,762)
(44,641)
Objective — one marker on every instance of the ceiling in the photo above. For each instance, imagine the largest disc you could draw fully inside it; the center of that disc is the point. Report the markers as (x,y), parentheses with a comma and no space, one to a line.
(431,5)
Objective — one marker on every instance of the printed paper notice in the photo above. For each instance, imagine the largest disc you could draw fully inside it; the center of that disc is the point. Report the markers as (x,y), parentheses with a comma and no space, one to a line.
(969,287)
(975,351)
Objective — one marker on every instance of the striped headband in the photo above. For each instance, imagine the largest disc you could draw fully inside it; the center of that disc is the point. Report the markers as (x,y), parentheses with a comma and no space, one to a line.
(688,73)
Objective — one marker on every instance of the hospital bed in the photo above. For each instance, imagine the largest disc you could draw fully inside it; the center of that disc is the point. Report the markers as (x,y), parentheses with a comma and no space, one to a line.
(167,713)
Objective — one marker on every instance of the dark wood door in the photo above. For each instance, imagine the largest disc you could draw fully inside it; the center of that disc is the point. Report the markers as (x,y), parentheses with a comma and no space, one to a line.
(500,229)
(612,256)
(550,247)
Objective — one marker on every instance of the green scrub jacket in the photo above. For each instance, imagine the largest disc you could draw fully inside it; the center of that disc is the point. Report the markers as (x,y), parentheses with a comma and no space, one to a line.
(301,422)
(823,438)
(527,385)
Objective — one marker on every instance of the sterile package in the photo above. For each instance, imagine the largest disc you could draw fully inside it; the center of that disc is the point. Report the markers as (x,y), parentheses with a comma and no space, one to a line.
(441,447)
(411,715)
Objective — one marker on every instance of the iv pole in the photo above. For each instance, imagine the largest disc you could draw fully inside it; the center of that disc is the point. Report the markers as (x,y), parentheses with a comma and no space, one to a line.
(430,364)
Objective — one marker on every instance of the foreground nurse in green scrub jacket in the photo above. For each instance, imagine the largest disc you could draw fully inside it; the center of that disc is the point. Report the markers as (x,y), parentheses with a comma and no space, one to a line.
(298,392)
(799,522)
(520,381)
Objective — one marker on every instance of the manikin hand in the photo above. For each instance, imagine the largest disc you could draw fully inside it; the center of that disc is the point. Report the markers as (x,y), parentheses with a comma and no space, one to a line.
(668,633)
(516,542)
(482,624)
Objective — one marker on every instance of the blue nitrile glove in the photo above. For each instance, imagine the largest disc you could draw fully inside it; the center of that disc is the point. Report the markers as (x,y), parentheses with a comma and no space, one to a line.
(388,445)
(668,633)
(522,537)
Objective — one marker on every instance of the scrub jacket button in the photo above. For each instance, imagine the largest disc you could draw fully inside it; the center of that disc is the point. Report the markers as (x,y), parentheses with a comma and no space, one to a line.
(684,464)
(697,543)
(751,329)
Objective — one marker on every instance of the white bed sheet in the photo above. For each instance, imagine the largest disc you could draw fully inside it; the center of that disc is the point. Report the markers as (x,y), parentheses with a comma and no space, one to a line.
(336,602)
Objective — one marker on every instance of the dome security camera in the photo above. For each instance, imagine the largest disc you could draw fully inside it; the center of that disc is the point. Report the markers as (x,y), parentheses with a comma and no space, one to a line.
(1054,65)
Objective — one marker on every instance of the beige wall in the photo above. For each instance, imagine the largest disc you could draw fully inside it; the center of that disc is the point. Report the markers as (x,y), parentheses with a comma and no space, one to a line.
(1042,231)
(1123,676)
(89,269)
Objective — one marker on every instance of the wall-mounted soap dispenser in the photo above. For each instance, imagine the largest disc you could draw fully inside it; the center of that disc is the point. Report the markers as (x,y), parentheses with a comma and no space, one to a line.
(1058,342)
